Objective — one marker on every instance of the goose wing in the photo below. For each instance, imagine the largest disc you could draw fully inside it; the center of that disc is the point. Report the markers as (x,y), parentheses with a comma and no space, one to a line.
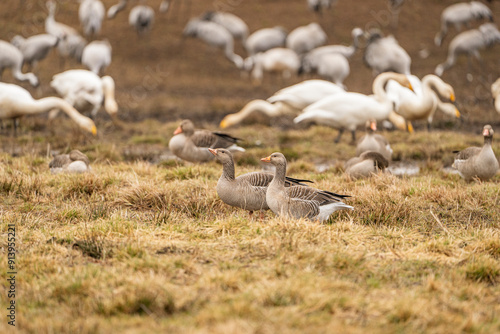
(205,138)
(467,153)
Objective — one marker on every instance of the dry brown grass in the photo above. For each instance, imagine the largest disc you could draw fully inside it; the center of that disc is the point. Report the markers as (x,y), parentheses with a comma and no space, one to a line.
(138,247)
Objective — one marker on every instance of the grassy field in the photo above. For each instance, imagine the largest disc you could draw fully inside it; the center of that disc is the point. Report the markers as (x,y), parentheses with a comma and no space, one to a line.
(144,245)
(135,247)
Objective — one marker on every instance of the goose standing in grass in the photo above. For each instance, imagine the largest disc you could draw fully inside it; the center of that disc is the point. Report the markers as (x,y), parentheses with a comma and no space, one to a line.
(375,142)
(86,91)
(305,38)
(349,110)
(34,48)
(16,101)
(96,56)
(192,145)
(299,202)
(459,14)
(366,165)
(384,54)
(346,51)
(247,191)
(423,101)
(74,162)
(236,26)
(141,17)
(70,43)
(215,35)
(91,13)
(495,91)
(265,39)
(277,60)
(11,57)
(289,100)
(477,162)
(470,42)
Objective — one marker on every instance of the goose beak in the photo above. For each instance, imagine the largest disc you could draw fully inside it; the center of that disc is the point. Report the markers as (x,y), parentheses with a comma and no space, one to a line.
(93,130)
(266,159)
(452,97)
(178,130)
(214,152)
(486,132)
(373,126)
(457,113)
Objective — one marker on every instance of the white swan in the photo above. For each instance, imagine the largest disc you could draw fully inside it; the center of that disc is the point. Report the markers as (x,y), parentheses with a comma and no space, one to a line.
(91,13)
(235,25)
(305,38)
(285,101)
(423,101)
(384,54)
(470,42)
(349,110)
(86,91)
(265,39)
(16,101)
(11,57)
(96,56)
(141,17)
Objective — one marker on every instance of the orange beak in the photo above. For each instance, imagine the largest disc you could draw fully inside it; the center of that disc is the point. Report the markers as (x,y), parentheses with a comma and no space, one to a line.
(178,130)
(266,159)
(486,132)
(214,152)
(373,126)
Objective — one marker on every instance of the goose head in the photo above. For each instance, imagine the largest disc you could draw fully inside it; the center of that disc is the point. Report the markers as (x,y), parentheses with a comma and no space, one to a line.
(186,127)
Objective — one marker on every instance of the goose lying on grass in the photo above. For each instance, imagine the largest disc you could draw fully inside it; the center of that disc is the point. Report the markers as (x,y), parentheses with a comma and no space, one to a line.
(299,202)
(375,142)
(74,162)
(477,162)
(192,145)
(247,191)
(367,164)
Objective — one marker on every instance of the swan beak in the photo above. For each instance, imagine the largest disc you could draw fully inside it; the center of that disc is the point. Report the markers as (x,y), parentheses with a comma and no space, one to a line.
(223,124)
(410,87)
(452,97)
(214,152)
(410,128)
(93,130)
(178,130)
(266,159)
(457,113)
